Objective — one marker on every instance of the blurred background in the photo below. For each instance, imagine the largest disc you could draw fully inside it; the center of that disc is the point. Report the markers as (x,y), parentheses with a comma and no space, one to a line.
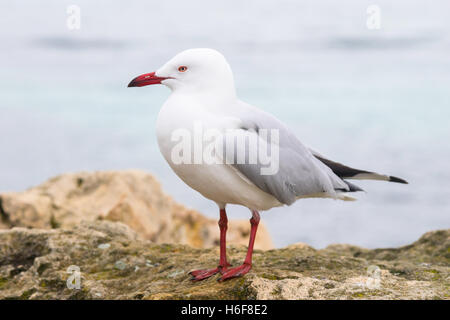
(376,99)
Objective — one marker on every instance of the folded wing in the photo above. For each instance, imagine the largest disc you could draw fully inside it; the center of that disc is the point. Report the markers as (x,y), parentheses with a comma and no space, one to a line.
(301,172)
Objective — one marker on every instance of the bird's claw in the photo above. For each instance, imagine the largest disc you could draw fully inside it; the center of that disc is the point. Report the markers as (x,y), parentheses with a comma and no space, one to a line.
(202,274)
(235,272)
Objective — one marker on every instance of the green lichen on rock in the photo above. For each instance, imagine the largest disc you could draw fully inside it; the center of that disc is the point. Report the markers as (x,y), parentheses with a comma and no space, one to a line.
(34,264)
(3,282)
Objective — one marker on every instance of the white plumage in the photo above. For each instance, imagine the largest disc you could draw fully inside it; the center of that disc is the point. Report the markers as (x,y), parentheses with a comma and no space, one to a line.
(203,99)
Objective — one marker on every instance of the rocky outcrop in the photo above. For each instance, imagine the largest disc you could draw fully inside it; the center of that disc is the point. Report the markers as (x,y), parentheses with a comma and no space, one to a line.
(114,262)
(132,197)
(116,235)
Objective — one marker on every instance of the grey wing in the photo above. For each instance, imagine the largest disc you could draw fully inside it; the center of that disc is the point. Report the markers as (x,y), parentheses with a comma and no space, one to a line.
(294,171)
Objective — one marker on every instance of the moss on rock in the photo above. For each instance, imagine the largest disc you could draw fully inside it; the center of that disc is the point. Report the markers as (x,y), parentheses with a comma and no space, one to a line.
(34,265)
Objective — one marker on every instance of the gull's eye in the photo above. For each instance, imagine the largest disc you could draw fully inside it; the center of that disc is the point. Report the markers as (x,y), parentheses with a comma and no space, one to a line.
(182,68)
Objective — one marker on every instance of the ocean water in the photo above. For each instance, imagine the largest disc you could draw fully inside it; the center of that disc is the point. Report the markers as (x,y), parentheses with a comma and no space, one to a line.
(373,99)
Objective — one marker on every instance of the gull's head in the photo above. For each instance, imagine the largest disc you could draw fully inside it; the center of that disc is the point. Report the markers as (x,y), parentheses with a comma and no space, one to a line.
(195,70)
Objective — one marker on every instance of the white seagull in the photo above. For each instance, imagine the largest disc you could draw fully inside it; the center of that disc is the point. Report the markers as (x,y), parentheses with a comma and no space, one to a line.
(203,99)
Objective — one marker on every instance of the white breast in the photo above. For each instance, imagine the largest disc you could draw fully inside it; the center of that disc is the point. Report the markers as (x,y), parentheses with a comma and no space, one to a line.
(218,182)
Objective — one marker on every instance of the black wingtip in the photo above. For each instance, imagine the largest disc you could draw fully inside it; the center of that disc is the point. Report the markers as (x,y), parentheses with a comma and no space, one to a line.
(398,180)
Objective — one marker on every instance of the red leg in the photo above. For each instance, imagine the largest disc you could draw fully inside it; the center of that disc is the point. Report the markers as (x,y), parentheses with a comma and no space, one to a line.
(223,226)
(223,264)
(247,265)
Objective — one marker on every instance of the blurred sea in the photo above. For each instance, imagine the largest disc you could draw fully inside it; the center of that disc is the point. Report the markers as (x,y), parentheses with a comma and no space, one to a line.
(373,99)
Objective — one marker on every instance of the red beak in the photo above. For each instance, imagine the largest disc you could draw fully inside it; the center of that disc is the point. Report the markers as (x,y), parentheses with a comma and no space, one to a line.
(145,80)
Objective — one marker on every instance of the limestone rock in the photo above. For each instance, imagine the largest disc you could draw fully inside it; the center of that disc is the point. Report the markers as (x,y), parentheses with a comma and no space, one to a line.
(132,197)
(38,264)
